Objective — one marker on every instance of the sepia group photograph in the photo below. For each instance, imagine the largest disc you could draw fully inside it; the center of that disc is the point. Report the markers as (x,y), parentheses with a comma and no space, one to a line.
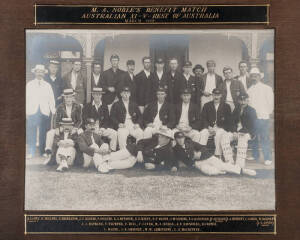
(149,120)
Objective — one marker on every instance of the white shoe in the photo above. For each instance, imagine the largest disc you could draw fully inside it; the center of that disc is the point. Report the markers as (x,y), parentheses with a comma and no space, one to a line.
(249,172)
(60,168)
(103,168)
(149,166)
(174,169)
(268,162)
(47,160)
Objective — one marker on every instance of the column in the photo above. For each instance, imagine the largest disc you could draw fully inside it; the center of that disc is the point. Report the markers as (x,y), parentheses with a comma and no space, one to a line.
(88,59)
(254,60)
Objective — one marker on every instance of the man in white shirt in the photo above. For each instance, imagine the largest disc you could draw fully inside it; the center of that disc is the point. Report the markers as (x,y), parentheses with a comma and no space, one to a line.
(158,113)
(261,98)
(126,118)
(187,117)
(209,82)
(40,104)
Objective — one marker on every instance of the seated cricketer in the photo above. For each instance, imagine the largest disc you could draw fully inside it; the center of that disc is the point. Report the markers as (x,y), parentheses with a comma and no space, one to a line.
(67,109)
(126,118)
(63,149)
(157,152)
(99,112)
(187,117)
(244,119)
(94,150)
(158,113)
(216,120)
(184,150)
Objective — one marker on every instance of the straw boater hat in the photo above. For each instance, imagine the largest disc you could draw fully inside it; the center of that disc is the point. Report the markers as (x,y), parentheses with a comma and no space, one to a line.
(66,121)
(98,90)
(68,92)
(255,70)
(54,62)
(39,67)
(165,131)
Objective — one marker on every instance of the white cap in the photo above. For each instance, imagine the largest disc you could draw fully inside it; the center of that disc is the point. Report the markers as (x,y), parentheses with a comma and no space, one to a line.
(255,70)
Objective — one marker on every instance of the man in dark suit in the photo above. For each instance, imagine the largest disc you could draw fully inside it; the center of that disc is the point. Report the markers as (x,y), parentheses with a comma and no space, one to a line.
(198,71)
(128,79)
(189,81)
(160,76)
(158,113)
(54,80)
(144,85)
(174,82)
(210,81)
(76,80)
(98,111)
(186,150)
(244,75)
(216,120)
(156,152)
(187,117)
(231,88)
(97,78)
(126,118)
(95,151)
(111,78)
(244,120)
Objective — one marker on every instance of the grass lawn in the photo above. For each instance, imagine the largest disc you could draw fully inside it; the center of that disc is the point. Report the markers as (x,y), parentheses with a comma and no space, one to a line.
(138,189)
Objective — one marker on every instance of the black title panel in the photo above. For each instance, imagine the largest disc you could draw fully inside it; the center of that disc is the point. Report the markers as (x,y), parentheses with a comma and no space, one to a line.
(196,14)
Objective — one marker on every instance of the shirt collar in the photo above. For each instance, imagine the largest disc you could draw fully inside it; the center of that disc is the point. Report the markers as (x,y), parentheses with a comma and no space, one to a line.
(94,104)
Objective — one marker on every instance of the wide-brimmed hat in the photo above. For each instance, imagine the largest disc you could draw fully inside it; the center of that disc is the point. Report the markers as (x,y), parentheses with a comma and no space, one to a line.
(165,131)
(40,67)
(255,70)
(68,92)
(66,121)
(52,61)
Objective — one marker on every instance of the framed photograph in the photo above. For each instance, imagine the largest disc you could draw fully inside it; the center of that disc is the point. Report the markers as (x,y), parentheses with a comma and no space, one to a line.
(149,120)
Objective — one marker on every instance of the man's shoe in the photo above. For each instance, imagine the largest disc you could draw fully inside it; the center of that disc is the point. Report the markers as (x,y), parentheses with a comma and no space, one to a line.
(268,162)
(149,166)
(174,169)
(60,168)
(103,168)
(249,172)
(47,160)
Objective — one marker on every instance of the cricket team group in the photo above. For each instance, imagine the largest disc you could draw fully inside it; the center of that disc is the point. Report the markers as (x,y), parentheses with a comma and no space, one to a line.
(162,120)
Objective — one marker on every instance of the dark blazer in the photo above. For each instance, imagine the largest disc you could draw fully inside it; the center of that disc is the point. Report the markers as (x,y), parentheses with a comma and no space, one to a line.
(125,80)
(186,153)
(192,84)
(157,155)
(166,114)
(111,79)
(80,96)
(76,114)
(208,116)
(144,88)
(236,88)
(118,114)
(84,141)
(163,82)
(247,119)
(101,115)
(174,87)
(194,115)
(248,81)
(56,88)
(218,80)
(100,83)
